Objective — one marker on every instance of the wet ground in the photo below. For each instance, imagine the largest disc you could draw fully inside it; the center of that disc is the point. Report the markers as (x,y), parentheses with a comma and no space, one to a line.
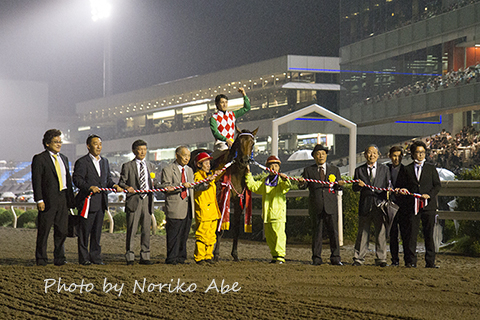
(252,288)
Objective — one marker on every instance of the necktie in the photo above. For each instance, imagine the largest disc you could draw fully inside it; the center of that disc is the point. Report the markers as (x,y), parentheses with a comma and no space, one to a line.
(183,195)
(370,174)
(59,172)
(143,182)
(322,173)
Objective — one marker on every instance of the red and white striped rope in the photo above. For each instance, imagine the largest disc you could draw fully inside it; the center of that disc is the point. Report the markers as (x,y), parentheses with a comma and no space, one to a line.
(175,187)
(416,195)
(86,205)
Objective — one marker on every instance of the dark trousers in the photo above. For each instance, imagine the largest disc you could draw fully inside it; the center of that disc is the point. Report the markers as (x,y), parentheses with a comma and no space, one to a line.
(90,229)
(331,222)
(56,216)
(428,224)
(177,236)
(400,223)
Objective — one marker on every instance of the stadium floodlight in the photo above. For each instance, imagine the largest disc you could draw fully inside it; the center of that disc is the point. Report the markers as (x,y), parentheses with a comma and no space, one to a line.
(100,9)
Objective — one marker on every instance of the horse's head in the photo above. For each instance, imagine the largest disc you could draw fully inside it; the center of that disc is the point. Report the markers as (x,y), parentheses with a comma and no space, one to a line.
(243,146)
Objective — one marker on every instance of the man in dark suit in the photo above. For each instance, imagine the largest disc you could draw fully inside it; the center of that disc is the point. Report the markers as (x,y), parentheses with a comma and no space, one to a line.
(323,204)
(138,174)
(53,193)
(397,172)
(377,175)
(91,173)
(179,205)
(421,178)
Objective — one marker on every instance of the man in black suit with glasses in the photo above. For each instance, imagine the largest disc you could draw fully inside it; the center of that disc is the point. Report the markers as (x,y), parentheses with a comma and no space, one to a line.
(53,193)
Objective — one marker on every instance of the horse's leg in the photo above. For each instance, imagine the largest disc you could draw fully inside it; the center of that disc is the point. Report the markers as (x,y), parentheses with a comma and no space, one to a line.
(216,250)
(236,227)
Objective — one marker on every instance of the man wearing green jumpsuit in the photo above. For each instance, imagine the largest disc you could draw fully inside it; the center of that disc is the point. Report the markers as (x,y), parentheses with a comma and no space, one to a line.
(274,203)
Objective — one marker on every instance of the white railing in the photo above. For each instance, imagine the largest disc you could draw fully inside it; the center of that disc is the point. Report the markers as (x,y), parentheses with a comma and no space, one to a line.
(465,188)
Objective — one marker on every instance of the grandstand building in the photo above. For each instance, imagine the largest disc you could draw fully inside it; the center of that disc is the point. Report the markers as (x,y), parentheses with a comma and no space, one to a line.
(410,66)
(176,113)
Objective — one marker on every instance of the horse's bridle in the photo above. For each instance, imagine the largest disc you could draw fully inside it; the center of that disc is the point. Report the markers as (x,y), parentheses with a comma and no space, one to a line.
(247,134)
(253,137)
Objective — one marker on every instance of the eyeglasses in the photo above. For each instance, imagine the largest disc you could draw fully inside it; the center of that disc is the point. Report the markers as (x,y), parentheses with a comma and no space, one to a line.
(57,142)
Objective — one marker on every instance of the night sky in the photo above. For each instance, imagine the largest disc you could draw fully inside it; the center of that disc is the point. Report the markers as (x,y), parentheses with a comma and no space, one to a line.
(153,41)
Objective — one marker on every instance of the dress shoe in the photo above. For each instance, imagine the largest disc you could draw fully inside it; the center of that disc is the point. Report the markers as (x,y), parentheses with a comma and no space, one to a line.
(99,263)
(394,264)
(273,261)
(210,261)
(432,266)
(356,264)
(86,263)
(317,263)
(41,263)
(382,264)
(411,265)
(146,262)
(60,263)
(130,263)
(337,263)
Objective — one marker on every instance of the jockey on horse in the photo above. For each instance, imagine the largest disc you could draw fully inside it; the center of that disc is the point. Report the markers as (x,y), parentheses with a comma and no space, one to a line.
(223,126)
(222,123)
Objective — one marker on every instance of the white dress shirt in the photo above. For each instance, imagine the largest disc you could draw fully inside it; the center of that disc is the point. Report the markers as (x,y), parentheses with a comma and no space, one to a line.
(374,170)
(96,163)
(418,168)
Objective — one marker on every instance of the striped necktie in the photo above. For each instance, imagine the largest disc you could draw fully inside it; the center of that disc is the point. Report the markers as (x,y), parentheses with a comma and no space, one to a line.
(143,182)
(59,172)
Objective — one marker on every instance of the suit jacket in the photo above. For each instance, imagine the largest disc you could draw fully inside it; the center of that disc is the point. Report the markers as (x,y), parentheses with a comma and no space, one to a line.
(397,198)
(368,197)
(320,197)
(175,207)
(45,180)
(129,178)
(429,184)
(85,175)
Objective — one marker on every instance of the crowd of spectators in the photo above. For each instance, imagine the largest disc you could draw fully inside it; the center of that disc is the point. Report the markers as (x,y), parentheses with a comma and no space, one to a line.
(450,79)
(461,151)
(432,9)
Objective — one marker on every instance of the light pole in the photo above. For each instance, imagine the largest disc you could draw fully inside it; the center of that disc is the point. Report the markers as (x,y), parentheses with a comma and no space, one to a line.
(101,10)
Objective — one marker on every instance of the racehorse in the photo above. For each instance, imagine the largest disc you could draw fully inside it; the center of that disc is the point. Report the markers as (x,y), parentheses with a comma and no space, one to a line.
(240,152)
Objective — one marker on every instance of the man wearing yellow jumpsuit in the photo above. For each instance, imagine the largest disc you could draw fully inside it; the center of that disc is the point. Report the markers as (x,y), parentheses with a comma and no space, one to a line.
(207,213)
(274,213)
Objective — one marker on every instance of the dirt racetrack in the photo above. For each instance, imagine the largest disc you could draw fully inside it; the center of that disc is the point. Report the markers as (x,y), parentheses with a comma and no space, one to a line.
(295,290)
